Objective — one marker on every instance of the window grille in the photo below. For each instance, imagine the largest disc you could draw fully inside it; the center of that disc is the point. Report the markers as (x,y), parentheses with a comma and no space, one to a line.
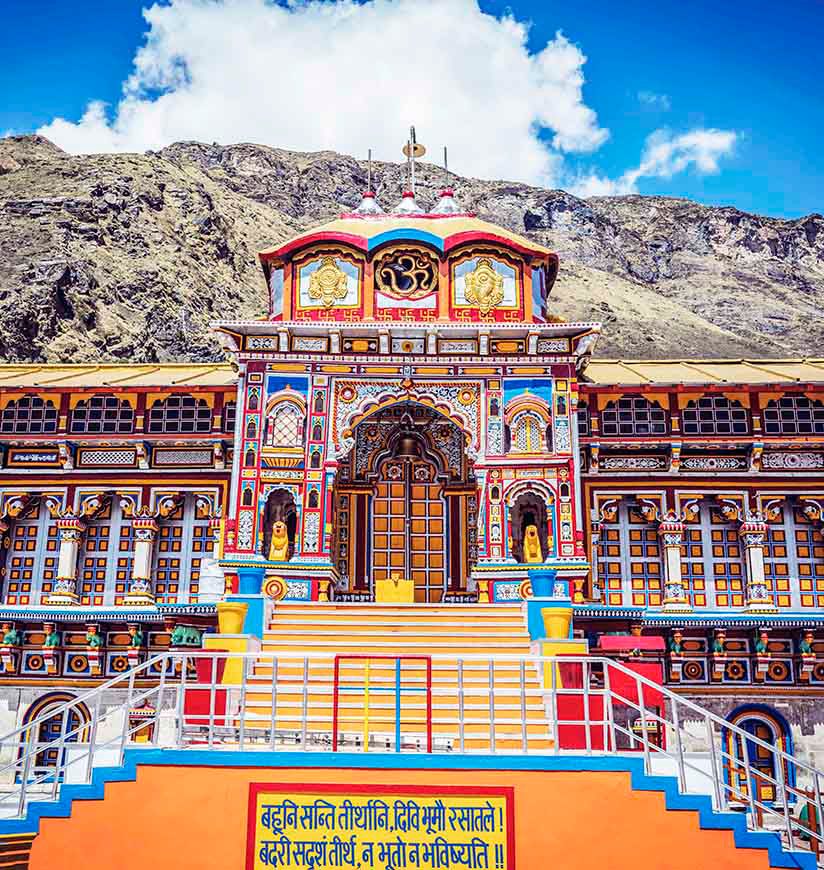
(28,415)
(183,541)
(794,559)
(527,435)
(712,558)
(102,414)
(583,419)
(180,413)
(630,569)
(286,425)
(32,558)
(229,416)
(633,415)
(794,415)
(715,415)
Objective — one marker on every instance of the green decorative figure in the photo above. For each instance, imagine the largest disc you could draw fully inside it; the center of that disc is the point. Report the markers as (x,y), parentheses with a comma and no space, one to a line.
(718,646)
(93,640)
(805,647)
(52,640)
(675,645)
(762,645)
(185,635)
(11,637)
(136,635)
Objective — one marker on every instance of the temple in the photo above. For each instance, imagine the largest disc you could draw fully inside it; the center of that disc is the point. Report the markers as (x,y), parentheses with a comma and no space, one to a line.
(411,426)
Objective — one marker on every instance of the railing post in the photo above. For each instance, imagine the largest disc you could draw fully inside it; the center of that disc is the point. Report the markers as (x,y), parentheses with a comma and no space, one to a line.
(609,715)
(644,730)
(718,788)
(93,737)
(818,807)
(522,682)
(748,774)
(781,776)
(273,720)
(679,746)
(492,705)
(461,704)
(243,684)
(305,701)
(28,754)
(212,698)
(124,735)
(553,702)
(587,724)
(62,754)
(181,700)
(161,691)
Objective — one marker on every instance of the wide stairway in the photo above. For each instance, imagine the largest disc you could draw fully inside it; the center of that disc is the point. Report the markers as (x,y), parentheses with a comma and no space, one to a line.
(400,671)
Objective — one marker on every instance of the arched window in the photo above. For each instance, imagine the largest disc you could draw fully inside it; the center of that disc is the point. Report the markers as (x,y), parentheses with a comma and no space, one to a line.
(715,415)
(317,432)
(583,419)
(318,403)
(314,459)
(229,416)
(633,415)
(105,564)
(32,559)
(29,415)
(48,731)
(183,541)
(286,425)
(314,498)
(249,458)
(180,412)
(528,433)
(794,415)
(102,414)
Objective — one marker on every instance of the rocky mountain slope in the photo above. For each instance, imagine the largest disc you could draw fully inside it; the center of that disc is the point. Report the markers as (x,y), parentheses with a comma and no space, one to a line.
(129,256)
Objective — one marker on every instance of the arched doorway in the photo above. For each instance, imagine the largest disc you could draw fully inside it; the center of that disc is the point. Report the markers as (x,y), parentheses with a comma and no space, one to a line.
(750,765)
(405,503)
(280,507)
(49,730)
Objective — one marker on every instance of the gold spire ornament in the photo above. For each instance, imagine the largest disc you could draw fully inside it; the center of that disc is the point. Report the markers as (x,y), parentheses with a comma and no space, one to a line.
(483,286)
(328,283)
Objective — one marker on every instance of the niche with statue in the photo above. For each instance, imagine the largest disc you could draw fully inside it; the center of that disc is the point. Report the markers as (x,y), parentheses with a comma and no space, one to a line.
(280,523)
(529,529)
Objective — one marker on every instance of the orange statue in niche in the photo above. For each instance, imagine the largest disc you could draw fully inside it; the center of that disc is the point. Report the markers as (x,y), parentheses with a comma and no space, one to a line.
(532,545)
(279,545)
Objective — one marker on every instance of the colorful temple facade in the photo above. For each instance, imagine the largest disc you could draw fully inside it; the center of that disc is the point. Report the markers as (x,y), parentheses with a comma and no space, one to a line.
(411,423)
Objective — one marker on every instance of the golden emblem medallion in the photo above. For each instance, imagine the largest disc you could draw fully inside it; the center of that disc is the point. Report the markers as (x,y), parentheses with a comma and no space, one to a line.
(483,286)
(328,282)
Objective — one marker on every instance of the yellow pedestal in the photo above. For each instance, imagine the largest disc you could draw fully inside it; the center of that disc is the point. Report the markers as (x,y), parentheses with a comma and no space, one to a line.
(394,591)
(233,673)
(556,621)
(231,616)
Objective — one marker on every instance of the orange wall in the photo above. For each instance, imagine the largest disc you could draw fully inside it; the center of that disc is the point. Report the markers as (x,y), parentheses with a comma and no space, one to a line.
(177,818)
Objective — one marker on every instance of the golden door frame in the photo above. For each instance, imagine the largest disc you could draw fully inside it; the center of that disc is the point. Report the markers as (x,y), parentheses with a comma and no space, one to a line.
(412,454)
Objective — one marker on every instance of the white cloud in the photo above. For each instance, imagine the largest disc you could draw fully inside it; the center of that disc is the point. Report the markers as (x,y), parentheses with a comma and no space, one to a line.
(659,102)
(348,76)
(664,155)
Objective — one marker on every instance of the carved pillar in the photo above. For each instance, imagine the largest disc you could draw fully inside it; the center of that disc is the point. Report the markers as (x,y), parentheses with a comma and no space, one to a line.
(671,534)
(145,534)
(70,529)
(752,532)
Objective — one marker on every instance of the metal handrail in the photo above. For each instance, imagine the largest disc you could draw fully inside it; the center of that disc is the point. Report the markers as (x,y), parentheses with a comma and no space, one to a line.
(489,696)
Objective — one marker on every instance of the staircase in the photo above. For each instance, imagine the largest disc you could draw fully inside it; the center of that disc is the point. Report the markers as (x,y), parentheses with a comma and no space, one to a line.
(388,655)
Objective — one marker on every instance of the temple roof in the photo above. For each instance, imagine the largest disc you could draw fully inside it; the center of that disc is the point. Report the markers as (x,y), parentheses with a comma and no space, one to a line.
(443,232)
(117,375)
(642,373)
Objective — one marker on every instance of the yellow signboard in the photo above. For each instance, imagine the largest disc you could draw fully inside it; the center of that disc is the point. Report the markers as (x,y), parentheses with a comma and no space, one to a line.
(380,827)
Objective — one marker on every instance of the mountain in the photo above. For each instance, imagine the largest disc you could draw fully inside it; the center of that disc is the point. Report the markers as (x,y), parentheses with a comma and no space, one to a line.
(129,256)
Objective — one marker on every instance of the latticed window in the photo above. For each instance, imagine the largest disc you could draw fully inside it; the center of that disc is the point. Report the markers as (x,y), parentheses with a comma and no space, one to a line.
(794,558)
(583,419)
(105,564)
(633,415)
(794,415)
(629,559)
(229,416)
(715,415)
(32,558)
(104,414)
(527,433)
(286,425)
(712,557)
(29,415)
(180,413)
(183,541)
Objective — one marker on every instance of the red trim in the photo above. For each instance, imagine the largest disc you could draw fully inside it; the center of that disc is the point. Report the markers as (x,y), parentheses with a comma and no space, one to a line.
(451,242)
(358,242)
(255,788)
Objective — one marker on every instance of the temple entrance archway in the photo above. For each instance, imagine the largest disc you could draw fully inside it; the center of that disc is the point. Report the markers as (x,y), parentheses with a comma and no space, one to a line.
(405,503)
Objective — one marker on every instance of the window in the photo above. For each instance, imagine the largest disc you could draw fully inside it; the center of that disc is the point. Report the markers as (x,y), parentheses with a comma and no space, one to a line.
(794,415)
(103,414)
(105,564)
(28,415)
(229,416)
(712,554)
(286,425)
(183,541)
(180,413)
(629,559)
(528,432)
(794,558)
(715,415)
(32,558)
(583,419)
(633,415)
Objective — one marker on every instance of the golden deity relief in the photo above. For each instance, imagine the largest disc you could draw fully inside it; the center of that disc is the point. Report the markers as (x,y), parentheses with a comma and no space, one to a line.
(328,283)
(483,286)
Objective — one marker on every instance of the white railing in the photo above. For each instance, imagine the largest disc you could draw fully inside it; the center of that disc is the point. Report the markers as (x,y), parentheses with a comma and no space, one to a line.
(293,702)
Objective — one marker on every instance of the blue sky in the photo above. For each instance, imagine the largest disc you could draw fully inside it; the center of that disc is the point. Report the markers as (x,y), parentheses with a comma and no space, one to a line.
(732,93)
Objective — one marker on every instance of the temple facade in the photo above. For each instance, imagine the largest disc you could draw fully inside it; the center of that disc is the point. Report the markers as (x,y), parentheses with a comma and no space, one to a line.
(411,423)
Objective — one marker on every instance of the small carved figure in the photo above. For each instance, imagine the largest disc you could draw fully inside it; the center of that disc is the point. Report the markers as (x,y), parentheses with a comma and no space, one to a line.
(532,545)
(136,635)
(279,545)
(93,639)
(52,639)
